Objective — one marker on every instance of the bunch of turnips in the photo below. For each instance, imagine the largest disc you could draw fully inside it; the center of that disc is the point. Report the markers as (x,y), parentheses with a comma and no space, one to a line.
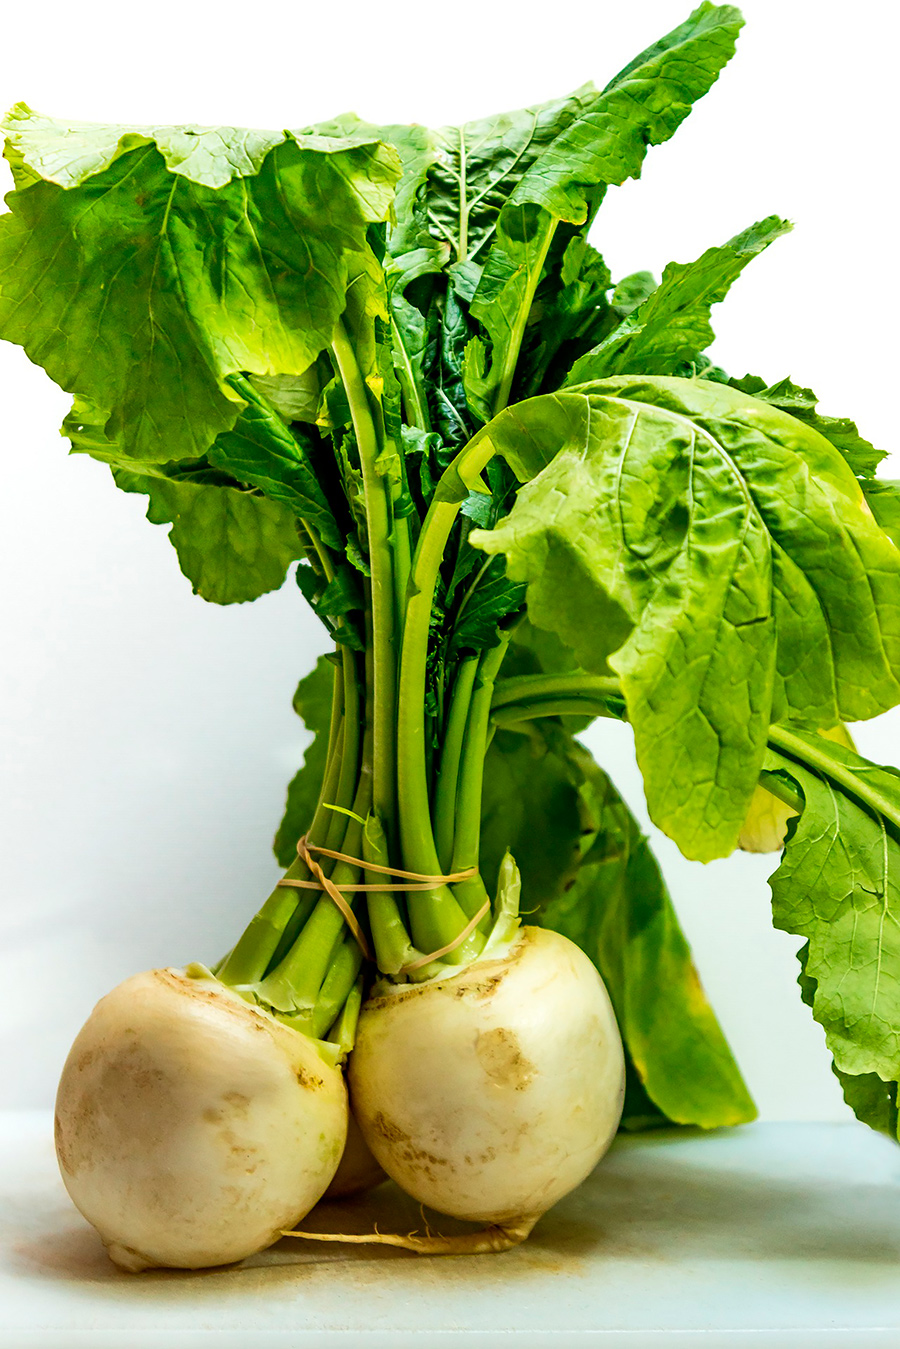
(519,496)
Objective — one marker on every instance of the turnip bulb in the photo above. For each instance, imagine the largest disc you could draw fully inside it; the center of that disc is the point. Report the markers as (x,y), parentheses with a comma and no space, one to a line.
(193,1127)
(358,1170)
(490,1094)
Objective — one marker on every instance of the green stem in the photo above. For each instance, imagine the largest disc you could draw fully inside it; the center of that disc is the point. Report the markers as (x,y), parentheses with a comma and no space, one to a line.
(343,1032)
(515,714)
(436,917)
(336,986)
(787,795)
(380,560)
(528,688)
(414,404)
(451,753)
(344,792)
(294,985)
(810,755)
(471,894)
(462,242)
(390,935)
(416,834)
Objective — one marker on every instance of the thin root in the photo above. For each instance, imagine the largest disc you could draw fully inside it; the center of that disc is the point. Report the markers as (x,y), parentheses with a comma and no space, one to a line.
(487,1241)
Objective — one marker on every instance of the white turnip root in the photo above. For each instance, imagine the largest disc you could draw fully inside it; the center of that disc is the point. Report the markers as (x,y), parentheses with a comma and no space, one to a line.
(490,1094)
(358,1169)
(193,1127)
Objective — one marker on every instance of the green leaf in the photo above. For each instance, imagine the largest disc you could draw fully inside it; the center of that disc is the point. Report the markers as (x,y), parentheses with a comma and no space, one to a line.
(643,105)
(603,145)
(294,397)
(884,501)
(631,291)
(262,451)
(569,313)
(312,703)
(69,152)
(838,886)
(672,326)
(871,1099)
(143,290)
(723,551)
(493,598)
(231,545)
(861,454)
(478,166)
(589,873)
(412,250)
(339,602)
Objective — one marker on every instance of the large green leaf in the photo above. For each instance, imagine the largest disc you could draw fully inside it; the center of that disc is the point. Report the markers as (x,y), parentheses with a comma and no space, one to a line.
(861,454)
(68,153)
(672,326)
(869,1097)
(838,886)
(232,545)
(588,872)
(142,289)
(478,166)
(723,551)
(312,703)
(603,145)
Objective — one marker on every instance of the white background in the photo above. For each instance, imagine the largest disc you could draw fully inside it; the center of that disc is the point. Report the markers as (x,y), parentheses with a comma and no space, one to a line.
(147,736)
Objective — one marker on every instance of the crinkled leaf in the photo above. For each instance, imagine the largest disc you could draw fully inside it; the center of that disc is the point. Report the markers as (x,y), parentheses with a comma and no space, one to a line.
(478,166)
(569,314)
(603,145)
(294,397)
(724,552)
(884,502)
(631,291)
(838,886)
(412,250)
(861,454)
(262,451)
(142,290)
(338,602)
(69,152)
(312,703)
(672,326)
(494,598)
(871,1099)
(588,872)
(231,545)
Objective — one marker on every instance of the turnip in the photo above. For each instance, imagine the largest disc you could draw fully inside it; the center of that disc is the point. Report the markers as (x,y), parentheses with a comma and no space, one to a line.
(191,1127)
(358,1169)
(490,1094)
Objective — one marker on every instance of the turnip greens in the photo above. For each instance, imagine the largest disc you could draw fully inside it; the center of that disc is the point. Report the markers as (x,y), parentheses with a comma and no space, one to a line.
(519,496)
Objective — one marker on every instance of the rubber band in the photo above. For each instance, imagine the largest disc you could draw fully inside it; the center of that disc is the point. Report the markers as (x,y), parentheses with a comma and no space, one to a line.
(419,881)
(451,946)
(334,895)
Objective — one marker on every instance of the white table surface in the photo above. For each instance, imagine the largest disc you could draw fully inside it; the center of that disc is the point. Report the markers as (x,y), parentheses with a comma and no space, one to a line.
(778,1235)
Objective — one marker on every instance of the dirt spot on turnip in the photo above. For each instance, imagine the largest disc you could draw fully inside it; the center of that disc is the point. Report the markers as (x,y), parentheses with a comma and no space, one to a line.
(483,990)
(388,1130)
(239,1103)
(308,1080)
(501,1057)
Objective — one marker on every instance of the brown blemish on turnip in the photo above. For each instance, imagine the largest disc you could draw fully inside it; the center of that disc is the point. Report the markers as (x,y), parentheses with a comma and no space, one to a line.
(501,1057)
